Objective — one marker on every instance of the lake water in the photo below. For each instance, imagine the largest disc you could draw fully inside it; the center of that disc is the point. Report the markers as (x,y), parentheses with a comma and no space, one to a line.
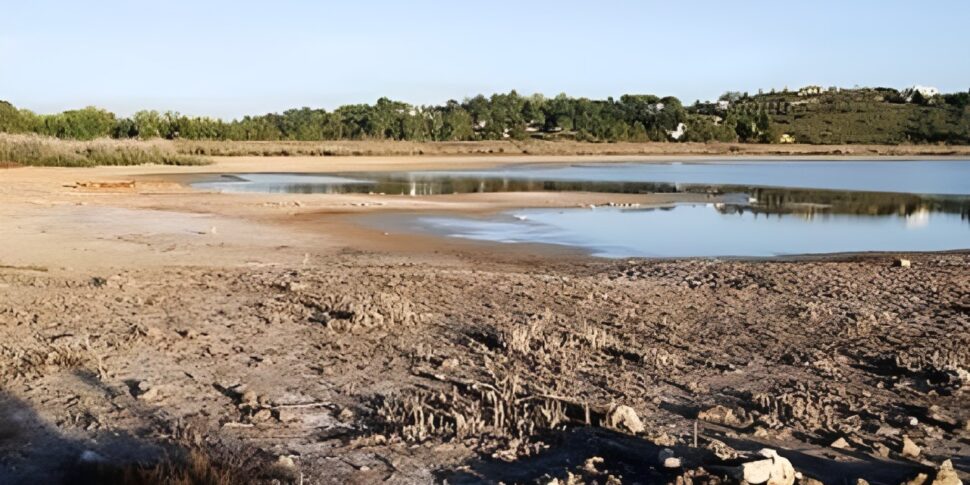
(705,230)
(774,208)
(913,177)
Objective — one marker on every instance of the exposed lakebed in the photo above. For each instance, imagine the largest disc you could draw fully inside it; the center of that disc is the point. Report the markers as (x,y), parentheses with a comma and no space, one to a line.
(764,208)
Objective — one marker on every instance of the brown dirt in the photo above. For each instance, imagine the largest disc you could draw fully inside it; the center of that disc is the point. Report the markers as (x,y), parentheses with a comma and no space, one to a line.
(146,324)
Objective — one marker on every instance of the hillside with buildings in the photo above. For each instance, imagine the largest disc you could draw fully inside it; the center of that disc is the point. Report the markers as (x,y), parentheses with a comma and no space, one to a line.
(818,115)
(812,115)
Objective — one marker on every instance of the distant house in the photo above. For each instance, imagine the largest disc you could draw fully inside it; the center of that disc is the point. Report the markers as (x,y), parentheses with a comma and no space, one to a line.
(678,133)
(810,91)
(925,91)
(723,104)
(786,138)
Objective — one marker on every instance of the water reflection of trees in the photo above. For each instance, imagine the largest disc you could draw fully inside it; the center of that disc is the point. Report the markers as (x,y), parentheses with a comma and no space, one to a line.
(812,203)
(404,184)
(808,203)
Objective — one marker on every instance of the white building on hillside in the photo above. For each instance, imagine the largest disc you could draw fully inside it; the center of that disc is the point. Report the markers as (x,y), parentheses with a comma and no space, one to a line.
(810,91)
(924,91)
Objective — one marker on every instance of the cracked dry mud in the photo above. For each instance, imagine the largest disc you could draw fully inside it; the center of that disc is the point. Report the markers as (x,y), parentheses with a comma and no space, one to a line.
(366,368)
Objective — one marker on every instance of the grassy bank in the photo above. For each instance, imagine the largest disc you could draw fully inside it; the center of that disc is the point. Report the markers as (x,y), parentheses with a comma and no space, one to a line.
(546,148)
(26,150)
(33,150)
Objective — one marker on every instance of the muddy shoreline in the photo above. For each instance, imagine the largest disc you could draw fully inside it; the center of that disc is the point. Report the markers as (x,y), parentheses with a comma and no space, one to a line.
(279,339)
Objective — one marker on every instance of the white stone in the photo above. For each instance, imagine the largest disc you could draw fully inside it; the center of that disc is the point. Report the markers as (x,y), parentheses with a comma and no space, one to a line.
(773,470)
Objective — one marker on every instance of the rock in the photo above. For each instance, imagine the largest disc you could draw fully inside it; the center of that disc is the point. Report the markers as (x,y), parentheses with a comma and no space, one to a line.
(262,415)
(672,462)
(722,415)
(625,417)
(910,449)
(667,459)
(885,430)
(946,475)
(148,392)
(773,470)
(450,363)
(249,399)
(902,263)
(287,415)
(589,466)
(840,444)
(346,414)
(662,439)
(882,450)
(285,462)
(150,395)
(722,450)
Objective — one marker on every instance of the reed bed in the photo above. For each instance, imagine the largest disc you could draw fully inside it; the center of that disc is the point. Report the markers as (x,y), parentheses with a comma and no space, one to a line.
(35,150)
(23,150)
(558,147)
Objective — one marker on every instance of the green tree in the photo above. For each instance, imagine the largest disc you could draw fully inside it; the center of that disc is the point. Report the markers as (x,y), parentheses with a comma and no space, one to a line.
(82,124)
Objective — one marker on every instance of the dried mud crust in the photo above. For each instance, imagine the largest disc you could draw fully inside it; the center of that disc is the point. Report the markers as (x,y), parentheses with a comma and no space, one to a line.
(367,368)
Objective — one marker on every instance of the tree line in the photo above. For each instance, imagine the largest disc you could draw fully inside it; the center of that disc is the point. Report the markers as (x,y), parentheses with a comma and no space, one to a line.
(637,118)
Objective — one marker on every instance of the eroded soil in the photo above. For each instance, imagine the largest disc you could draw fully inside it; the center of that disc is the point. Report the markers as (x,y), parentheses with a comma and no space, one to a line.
(361,367)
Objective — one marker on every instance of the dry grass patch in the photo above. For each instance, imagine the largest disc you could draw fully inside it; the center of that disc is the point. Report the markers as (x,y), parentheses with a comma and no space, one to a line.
(37,150)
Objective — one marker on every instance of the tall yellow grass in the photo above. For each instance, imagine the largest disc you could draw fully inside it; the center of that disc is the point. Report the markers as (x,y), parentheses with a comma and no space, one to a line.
(51,152)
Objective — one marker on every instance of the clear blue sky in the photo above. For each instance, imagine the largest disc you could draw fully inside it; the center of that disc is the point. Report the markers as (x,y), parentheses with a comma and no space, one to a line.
(229,58)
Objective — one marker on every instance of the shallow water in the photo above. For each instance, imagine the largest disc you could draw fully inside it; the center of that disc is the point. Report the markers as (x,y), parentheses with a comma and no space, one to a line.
(912,177)
(776,208)
(915,177)
(707,230)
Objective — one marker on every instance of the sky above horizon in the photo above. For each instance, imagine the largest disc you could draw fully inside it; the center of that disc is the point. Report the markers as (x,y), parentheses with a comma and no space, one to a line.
(230,58)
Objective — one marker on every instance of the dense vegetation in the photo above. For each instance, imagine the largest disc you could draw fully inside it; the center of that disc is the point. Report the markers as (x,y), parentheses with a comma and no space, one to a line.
(878,116)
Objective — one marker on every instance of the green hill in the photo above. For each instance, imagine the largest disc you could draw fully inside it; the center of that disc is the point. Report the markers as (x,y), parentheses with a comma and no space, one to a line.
(862,116)
(815,116)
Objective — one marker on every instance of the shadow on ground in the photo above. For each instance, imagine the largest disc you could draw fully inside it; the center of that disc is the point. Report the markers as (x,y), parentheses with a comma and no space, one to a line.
(34,451)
